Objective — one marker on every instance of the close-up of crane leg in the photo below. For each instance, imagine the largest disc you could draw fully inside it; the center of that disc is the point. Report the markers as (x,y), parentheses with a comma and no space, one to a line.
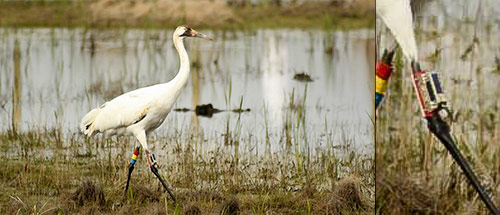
(153,165)
(131,167)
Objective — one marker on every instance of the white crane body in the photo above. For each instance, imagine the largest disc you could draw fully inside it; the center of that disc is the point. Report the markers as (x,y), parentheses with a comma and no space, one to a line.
(141,111)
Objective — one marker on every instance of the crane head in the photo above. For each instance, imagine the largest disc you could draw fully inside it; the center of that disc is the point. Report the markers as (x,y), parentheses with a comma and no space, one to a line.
(184,31)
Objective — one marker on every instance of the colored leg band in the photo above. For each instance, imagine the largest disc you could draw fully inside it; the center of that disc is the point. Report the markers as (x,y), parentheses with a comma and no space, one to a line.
(383,70)
(378,99)
(380,85)
(134,157)
(382,74)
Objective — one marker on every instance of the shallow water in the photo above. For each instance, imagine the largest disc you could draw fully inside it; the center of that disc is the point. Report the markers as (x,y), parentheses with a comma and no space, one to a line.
(64,73)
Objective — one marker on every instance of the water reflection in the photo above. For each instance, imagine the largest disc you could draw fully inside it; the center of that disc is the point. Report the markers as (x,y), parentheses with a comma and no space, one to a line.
(16,89)
(68,72)
(274,63)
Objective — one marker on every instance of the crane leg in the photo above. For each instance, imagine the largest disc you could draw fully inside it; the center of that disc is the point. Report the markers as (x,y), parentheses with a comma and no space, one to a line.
(152,165)
(131,167)
(141,136)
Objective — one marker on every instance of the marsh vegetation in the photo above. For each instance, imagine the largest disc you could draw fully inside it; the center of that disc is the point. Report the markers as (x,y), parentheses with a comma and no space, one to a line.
(415,173)
(305,147)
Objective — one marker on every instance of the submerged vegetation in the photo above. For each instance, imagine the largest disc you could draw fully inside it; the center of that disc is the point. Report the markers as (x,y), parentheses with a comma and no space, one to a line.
(202,14)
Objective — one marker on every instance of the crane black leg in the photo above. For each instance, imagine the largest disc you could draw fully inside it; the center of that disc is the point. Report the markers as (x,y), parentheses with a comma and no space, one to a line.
(152,165)
(131,168)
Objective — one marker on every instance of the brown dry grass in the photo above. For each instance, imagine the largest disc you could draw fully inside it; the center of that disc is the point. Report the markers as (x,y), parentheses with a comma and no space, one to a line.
(142,194)
(309,14)
(346,198)
(364,6)
(196,13)
(415,172)
(230,207)
(402,192)
(191,209)
(199,13)
(32,13)
(56,185)
(89,193)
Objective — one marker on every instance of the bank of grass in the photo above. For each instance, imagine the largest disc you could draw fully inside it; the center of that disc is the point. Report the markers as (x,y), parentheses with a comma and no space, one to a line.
(202,14)
(77,175)
(415,173)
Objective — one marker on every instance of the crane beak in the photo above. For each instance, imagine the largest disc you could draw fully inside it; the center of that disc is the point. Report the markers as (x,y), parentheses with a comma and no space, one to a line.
(200,35)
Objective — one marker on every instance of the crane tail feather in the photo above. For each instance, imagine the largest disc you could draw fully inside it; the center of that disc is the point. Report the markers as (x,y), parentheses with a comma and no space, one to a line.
(87,125)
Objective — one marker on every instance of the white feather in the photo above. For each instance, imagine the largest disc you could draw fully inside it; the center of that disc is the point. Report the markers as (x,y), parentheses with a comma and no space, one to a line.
(397,16)
(87,121)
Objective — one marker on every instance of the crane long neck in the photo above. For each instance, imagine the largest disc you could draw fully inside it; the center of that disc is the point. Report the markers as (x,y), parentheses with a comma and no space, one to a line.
(182,76)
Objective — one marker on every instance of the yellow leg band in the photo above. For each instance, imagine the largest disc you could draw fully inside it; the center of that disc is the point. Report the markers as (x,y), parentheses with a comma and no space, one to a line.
(134,157)
(380,85)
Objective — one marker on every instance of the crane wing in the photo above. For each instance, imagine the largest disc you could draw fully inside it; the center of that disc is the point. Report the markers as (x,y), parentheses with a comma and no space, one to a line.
(122,111)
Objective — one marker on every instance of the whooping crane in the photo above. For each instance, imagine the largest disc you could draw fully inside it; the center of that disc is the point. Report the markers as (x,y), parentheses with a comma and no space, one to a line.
(143,110)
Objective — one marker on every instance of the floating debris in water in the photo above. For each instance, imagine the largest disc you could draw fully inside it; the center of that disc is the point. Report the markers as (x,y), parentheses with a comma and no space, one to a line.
(329,50)
(239,110)
(302,77)
(182,109)
(208,110)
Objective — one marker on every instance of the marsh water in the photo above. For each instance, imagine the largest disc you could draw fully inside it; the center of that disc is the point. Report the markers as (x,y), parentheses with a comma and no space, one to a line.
(51,77)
